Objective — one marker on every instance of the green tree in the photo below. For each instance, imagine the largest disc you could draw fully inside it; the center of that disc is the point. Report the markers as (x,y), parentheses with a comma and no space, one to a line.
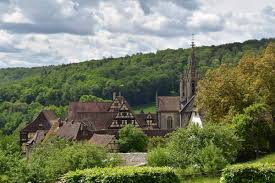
(256,129)
(132,139)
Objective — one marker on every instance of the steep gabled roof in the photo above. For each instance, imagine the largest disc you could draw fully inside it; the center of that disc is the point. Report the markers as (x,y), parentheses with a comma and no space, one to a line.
(98,120)
(69,131)
(50,116)
(102,139)
(189,106)
(43,121)
(168,103)
(76,107)
(141,118)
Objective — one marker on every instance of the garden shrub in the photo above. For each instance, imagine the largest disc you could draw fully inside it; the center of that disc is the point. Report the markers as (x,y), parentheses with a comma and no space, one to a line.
(157,141)
(132,139)
(50,160)
(198,150)
(159,157)
(246,173)
(256,129)
(122,175)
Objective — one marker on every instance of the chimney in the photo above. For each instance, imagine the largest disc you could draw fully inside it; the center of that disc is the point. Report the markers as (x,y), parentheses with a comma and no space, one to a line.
(114,95)
(119,93)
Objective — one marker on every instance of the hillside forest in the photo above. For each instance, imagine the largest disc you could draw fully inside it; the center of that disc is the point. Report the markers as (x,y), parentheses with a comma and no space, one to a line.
(25,91)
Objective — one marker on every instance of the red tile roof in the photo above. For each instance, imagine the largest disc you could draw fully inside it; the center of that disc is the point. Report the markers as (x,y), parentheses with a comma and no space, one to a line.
(168,103)
(97,120)
(75,107)
(69,131)
(102,139)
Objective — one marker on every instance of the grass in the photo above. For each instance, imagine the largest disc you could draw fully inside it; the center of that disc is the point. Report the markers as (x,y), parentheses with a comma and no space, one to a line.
(265,159)
(202,180)
(146,108)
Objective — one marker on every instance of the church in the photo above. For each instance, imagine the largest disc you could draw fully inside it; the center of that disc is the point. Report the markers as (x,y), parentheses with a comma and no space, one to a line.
(179,111)
(101,121)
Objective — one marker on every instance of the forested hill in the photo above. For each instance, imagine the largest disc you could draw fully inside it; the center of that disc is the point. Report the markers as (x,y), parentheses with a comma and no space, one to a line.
(138,77)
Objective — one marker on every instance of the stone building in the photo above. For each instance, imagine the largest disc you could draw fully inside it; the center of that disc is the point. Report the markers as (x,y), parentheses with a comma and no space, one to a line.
(179,111)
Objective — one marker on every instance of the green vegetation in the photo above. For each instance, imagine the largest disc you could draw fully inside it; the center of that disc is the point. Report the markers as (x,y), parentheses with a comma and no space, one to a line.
(198,150)
(249,173)
(132,139)
(225,92)
(202,180)
(48,161)
(122,175)
(256,129)
(146,108)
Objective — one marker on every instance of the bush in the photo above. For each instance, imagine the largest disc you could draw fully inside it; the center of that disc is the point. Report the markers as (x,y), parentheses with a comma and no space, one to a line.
(122,175)
(132,139)
(256,129)
(211,159)
(49,161)
(259,173)
(157,141)
(198,150)
(159,157)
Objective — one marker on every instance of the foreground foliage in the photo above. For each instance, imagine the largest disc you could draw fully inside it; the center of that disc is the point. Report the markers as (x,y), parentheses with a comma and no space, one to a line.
(122,175)
(257,131)
(261,173)
(198,150)
(48,161)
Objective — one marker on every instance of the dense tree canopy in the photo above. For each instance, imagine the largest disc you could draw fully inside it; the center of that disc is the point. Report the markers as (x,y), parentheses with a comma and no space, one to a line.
(226,91)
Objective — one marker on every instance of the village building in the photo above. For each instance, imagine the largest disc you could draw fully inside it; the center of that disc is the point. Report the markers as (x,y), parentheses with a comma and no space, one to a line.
(99,122)
(36,131)
(109,142)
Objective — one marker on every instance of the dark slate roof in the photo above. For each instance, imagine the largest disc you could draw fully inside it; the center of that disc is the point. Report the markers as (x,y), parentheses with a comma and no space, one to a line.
(141,118)
(98,120)
(188,107)
(168,103)
(43,121)
(102,139)
(69,131)
(75,107)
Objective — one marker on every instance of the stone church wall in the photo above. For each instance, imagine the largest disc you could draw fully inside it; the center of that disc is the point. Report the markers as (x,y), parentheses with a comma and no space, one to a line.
(163,117)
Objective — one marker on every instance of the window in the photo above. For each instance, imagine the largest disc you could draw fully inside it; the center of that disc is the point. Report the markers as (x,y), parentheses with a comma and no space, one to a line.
(193,88)
(169,122)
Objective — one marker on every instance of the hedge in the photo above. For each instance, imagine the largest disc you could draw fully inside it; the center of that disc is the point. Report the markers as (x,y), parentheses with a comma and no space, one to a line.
(122,175)
(246,173)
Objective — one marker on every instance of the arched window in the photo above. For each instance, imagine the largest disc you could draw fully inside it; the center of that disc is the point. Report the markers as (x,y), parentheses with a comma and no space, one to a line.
(169,122)
(193,87)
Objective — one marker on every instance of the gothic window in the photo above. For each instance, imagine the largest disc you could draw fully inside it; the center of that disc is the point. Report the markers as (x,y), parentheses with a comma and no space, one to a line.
(193,87)
(169,122)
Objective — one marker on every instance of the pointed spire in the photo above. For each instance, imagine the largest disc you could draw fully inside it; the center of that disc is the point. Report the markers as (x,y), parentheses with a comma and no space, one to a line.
(193,59)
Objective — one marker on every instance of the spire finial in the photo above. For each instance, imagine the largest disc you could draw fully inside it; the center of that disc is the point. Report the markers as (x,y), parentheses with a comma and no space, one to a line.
(193,41)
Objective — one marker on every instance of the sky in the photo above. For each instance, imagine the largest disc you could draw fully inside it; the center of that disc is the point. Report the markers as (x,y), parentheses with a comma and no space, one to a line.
(52,32)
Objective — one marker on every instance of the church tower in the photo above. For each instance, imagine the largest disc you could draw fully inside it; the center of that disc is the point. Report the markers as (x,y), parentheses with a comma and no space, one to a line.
(189,79)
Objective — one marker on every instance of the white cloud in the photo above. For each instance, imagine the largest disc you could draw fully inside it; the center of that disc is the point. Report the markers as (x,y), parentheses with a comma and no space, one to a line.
(38,32)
